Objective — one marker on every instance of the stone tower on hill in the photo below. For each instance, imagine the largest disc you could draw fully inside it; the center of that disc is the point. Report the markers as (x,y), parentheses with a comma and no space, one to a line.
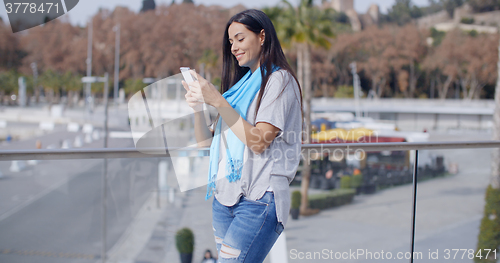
(342,5)
(358,21)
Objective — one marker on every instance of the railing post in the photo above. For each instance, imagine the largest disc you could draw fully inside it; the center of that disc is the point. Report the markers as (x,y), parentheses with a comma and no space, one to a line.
(104,209)
(158,185)
(105,173)
(414,204)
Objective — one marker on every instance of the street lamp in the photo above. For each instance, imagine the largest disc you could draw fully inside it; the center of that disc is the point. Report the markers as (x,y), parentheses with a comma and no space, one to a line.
(355,85)
(93,79)
(116,29)
(35,78)
(88,94)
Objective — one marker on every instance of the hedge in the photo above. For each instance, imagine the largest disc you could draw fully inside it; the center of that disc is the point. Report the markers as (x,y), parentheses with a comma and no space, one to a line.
(489,231)
(345,182)
(356,180)
(333,198)
(296,199)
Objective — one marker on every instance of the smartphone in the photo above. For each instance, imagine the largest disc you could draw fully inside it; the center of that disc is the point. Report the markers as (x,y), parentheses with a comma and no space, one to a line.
(187,75)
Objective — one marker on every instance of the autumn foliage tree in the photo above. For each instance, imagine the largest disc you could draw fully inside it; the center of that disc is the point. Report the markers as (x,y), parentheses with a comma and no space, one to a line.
(154,43)
(392,60)
(466,60)
(10,51)
(477,66)
(377,50)
(410,49)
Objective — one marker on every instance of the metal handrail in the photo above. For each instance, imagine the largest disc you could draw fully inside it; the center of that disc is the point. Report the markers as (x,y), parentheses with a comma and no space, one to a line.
(113,153)
(109,153)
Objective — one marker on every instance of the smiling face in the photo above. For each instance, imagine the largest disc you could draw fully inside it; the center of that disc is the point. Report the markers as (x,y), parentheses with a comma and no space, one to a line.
(245,45)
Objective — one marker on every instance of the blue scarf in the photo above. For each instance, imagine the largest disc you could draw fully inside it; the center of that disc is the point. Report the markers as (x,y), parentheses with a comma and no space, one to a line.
(239,96)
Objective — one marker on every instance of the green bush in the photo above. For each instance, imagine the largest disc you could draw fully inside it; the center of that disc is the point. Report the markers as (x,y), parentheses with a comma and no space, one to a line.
(345,182)
(184,241)
(489,231)
(437,36)
(133,85)
(467,20)
(473,33)
(344,92)
(296,199)
(356,180)
(333,198)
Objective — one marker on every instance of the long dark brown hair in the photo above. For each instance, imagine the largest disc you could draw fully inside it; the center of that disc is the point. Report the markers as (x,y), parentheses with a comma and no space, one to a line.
(271,54)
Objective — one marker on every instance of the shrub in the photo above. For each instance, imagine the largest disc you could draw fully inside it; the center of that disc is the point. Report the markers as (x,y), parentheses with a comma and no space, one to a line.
(184,241)
(344,92)
(356,180)
(467,20)
(333,198)
(489,231)
(438,36)
(473,33)
(345,182)
(296,199)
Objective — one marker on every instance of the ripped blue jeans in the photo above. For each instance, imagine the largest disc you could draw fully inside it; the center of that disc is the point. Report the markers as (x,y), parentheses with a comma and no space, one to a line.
(246,231)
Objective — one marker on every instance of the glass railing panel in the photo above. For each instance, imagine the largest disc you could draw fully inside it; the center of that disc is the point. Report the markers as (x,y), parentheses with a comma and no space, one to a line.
(52,211)
(373,226)
(450,205)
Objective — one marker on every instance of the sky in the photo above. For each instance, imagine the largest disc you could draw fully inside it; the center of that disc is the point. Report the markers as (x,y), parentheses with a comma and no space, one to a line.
(86,8)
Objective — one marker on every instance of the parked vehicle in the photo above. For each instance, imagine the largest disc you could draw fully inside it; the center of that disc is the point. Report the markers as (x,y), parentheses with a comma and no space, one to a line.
(379,169)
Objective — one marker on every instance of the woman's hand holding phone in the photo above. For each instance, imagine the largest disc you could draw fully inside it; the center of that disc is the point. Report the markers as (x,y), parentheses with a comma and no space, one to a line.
(192,101)
(201,91)
(188,79)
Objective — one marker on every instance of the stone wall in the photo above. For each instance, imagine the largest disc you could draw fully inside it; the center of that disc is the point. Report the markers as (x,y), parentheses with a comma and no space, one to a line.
(442,19)
(433,19)
(488,19)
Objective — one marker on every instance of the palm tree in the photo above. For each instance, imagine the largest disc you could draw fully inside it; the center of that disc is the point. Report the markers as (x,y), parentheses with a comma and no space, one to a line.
(132,86)
(304,27)
(209,61)
(8,83)
(72,84)
(51,82)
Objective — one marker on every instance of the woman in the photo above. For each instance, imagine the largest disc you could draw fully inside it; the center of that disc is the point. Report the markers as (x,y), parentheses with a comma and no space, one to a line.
(255,144)
(208,257)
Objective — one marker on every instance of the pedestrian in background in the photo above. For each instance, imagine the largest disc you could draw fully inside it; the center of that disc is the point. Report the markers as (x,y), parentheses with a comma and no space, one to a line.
(208,258)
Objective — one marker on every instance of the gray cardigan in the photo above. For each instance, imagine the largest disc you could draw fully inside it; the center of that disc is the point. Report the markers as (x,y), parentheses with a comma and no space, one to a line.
(277,165)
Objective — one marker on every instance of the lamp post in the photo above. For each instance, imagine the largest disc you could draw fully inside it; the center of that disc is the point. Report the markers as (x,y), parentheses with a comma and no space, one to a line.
(35,79)
(355,85)
(116,29)
(89,80)
(92,79)
(161,169)
(88,96)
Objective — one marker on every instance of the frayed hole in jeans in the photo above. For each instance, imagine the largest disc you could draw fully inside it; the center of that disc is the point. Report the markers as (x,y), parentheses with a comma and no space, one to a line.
(229,252)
